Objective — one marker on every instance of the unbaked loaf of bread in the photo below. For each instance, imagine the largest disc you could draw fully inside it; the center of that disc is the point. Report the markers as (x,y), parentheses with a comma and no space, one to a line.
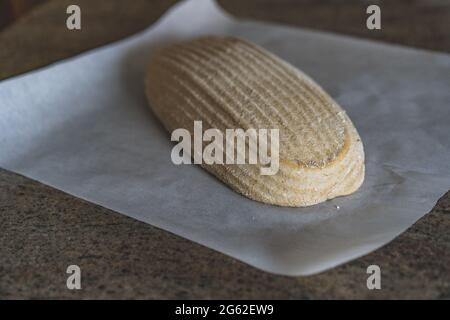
(230,83)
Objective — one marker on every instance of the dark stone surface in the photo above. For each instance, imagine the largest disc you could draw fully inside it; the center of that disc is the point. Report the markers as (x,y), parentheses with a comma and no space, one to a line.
(43,230)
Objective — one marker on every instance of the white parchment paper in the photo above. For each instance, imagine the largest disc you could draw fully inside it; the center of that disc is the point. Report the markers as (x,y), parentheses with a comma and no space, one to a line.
(83,126)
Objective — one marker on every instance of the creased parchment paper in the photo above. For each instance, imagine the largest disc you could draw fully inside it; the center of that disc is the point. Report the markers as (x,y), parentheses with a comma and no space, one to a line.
(83,126)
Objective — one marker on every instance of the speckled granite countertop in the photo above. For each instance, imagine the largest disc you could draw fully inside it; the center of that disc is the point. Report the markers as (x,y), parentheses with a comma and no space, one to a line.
(43,230)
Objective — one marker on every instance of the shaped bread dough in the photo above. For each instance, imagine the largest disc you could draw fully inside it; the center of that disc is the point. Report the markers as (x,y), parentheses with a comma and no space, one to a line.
(230,83)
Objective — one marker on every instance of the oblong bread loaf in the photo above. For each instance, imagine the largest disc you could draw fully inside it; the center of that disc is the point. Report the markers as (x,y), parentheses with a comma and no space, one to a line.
(230,83)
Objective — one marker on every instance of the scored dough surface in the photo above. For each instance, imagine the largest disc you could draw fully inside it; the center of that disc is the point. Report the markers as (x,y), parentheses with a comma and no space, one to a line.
(230,83)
